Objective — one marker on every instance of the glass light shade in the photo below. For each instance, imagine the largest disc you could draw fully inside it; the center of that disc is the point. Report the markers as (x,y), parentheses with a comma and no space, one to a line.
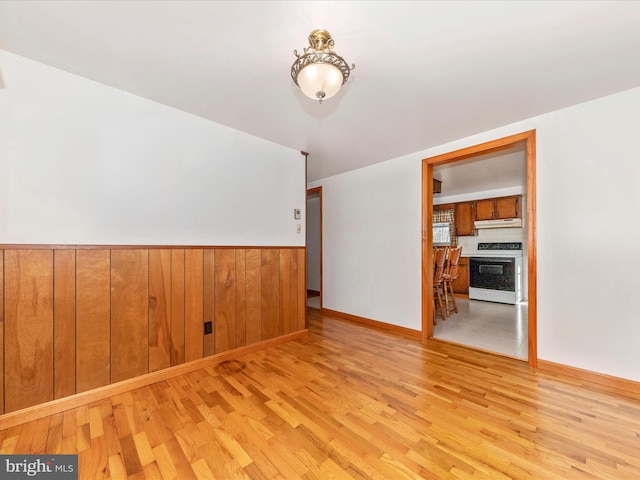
(320,77)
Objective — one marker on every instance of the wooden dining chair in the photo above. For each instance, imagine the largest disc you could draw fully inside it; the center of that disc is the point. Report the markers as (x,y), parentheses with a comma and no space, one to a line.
(439,264)
(449,276)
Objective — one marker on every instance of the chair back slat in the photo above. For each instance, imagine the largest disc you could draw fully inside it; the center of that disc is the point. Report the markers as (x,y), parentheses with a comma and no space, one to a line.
(453,259)
(439,264)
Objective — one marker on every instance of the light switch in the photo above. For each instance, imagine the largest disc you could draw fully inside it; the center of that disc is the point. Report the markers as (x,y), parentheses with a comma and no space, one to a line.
(299,228)
(297,214)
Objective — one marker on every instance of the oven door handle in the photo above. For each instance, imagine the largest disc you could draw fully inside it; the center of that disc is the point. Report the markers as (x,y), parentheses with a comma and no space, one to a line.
(491,259)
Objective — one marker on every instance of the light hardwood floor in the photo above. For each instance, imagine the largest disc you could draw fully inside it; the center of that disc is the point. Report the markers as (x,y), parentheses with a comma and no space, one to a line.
(349,401)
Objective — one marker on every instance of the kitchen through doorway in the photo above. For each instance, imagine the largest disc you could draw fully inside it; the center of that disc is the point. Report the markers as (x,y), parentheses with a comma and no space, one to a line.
(522,318)
(491,289)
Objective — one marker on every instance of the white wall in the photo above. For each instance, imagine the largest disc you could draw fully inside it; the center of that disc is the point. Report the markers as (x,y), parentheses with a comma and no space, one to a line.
(313,243)
(587,209)
(81,162)
(370,238)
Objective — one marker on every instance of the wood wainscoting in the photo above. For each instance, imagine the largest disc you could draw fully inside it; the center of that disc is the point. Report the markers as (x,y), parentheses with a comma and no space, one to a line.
(76,318)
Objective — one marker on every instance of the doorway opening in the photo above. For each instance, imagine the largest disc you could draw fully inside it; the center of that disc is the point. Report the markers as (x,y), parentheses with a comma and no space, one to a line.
(314,247)
(527,141)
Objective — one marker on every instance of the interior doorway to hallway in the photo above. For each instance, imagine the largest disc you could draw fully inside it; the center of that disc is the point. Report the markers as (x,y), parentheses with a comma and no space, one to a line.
(314,247)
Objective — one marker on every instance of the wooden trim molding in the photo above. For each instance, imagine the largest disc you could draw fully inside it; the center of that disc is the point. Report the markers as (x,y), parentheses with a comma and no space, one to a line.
(372,323)
(79,246)
(620,386)
(56,406)
(529,139)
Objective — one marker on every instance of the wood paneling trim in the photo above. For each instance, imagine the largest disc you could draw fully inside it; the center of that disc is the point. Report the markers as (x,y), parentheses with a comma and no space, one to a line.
(225,300)
(286,282)
(117,314)
(270,302)
(193,304)
(28,342)
(241,298)
(253,289)
(160,309)
(177,306)
(93,319)
(129,314)
(1,331)
(54,246)
(301,297)
(372,323)
(209,301)
(84,398)
(64,323)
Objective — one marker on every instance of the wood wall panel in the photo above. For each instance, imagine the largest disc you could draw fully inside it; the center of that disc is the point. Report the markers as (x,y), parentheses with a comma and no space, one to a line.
(302,289)
(74,319)
(28,342)
(64,322)
(294,296)
(208,294)
(93,319)
(285,291)
(177,306)
(193,304)
(253,295)
(129,314)
(241,298)
(225,300)
(270,273)
(159,309)
(1,331)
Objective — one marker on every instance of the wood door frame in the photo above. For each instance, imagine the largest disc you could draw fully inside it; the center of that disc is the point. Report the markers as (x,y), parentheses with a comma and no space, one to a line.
(529,139)
(312,191)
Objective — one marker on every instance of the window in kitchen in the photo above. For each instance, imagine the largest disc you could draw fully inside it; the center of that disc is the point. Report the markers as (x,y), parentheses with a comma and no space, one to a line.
(444,227)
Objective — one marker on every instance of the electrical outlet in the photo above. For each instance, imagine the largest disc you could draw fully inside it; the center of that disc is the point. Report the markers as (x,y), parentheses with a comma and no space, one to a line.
(208,328)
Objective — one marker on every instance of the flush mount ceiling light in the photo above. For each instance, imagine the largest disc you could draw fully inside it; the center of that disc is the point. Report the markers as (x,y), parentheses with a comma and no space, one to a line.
(319,71)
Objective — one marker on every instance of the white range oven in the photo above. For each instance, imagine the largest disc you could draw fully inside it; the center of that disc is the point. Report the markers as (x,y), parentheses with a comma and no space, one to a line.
(495,272)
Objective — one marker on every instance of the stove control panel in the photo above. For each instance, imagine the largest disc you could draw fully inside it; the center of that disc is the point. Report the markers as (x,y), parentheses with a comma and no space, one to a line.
(500,246)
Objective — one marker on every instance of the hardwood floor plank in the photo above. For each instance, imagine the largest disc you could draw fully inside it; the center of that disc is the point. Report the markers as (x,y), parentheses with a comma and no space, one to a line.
(349,401)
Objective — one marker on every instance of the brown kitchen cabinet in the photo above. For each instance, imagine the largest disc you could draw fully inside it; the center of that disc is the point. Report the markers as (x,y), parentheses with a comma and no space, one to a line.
(464,214)
(461,284)
(499,208)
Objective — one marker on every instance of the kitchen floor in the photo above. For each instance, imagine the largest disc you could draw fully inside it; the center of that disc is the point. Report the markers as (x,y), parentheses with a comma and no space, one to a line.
(495,327)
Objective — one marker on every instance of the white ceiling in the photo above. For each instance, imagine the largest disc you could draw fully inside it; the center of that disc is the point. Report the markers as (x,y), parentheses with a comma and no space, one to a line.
(494,171)
(426,72)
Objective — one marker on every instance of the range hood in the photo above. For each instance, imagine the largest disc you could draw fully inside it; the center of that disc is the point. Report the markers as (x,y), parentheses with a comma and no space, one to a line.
(502,223)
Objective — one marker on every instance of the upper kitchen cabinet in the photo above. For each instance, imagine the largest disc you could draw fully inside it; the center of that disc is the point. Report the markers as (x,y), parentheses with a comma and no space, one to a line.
(464,215)
(499,208)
